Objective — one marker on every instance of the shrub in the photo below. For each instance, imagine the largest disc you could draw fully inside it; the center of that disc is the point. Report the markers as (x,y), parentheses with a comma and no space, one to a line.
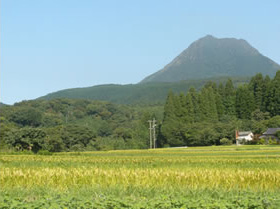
(262,141)
(252,142)
(225,141)
(272,141)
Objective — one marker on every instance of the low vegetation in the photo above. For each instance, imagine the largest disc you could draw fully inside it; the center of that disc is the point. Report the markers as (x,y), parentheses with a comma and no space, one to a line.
(137,94)
(74,125)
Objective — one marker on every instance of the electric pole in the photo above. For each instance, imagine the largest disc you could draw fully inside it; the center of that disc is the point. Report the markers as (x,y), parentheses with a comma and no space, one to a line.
(150,128)
(154,129)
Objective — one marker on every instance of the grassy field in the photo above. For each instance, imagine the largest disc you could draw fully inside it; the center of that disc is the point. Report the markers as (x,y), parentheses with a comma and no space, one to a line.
(201,177)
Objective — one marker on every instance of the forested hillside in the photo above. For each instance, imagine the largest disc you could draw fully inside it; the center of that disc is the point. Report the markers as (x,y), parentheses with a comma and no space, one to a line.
(137,94)
(74,125)
(214,113)
(191,118)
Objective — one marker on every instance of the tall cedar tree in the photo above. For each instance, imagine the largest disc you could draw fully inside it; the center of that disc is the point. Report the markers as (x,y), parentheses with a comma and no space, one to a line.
(184,114)
(274,96)
(229,98)
(190,110)
(256,86)
(194,98)
(207,104)
(169,108)
(244,102)
(265,91)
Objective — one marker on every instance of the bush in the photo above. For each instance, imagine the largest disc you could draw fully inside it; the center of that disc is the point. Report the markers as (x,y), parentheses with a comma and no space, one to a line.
(225,141)
(272,141)
(252,142)
(262,141)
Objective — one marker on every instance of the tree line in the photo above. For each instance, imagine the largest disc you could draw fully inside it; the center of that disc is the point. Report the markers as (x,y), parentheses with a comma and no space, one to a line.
(203,117)
(73,125)
(215,112)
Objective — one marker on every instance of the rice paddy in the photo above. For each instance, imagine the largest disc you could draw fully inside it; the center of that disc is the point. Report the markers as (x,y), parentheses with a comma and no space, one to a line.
(201,177)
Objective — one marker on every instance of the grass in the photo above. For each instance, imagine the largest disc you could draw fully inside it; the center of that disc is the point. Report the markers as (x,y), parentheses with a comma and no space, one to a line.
(200,177)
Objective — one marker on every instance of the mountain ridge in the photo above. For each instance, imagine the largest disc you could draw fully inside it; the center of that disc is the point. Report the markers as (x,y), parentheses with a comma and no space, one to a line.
(211,57)
(207,59)
(145,93)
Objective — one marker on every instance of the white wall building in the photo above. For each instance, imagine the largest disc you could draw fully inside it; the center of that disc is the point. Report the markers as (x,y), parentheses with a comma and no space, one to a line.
(244,136)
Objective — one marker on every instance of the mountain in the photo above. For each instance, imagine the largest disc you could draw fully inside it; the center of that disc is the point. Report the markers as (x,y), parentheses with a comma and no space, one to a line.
(207,59)
(146,93)
(211,57)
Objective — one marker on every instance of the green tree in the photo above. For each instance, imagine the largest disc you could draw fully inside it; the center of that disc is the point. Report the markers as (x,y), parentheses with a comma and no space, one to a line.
(189,115)
(207,105)
(225,141)
(244,102)
(194,97)
(123,133)
(27,116)
(259,116)
(53,141)
(266,91)
(26,139)
(256,85)
(170,108)
(274,95)
(174,133)
(274,122)
(229,98)
(258,127)
(6,127)
(219,105)
(180,105)
(221,90)
(75,134)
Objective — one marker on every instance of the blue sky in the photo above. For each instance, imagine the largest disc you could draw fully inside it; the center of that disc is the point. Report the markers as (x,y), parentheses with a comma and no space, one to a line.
(49,45)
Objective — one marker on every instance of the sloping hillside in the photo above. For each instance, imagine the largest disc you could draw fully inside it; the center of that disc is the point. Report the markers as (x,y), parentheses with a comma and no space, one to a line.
(211,57)
(147,93)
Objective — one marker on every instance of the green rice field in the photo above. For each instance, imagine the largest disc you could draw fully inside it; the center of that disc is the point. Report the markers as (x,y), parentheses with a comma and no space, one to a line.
(200,177)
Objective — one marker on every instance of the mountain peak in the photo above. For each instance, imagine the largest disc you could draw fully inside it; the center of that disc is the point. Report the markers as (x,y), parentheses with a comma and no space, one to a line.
(208,37)
(212,57)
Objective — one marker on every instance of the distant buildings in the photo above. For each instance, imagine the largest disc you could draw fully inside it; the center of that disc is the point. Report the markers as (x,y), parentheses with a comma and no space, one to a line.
(270,134)
(243,136)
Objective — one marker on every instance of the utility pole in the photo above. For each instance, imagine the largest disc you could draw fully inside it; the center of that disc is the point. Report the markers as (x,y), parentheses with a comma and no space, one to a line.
(236,136)
(150,128)
(154,129)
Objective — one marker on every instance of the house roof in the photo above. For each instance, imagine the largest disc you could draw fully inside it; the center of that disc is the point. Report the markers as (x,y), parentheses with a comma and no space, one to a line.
(244,133)
(271,131)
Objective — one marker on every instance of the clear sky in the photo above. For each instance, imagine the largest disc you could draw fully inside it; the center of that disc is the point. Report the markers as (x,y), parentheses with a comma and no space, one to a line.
(50,45)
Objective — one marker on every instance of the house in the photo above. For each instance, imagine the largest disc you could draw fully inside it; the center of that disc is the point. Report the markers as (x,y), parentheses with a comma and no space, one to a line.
(270,134)
(243,136)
